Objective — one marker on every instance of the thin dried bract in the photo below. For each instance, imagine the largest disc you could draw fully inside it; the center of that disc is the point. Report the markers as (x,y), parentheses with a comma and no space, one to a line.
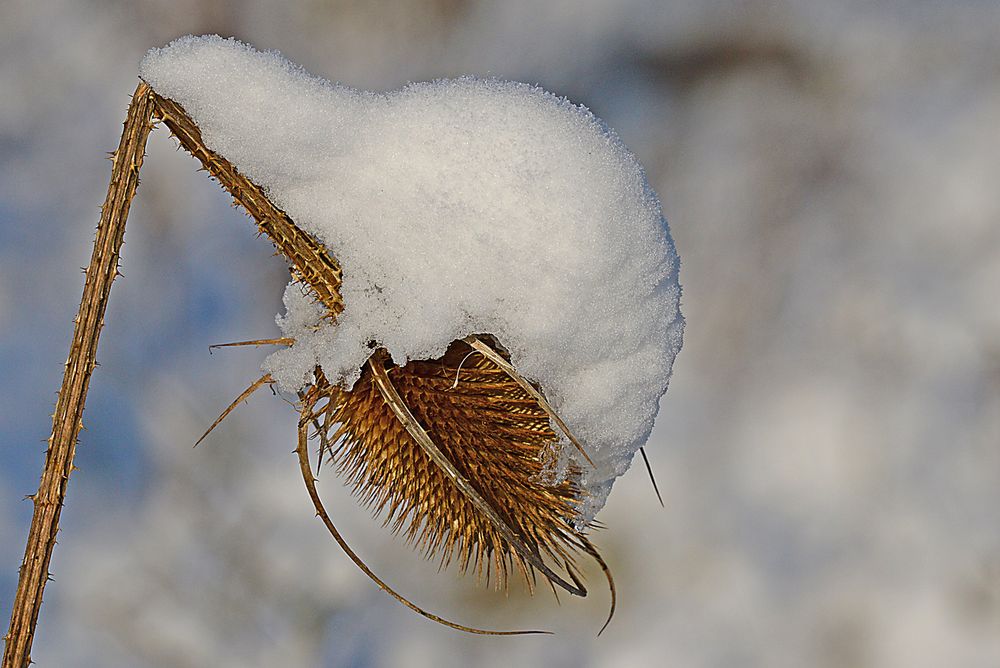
(308,399)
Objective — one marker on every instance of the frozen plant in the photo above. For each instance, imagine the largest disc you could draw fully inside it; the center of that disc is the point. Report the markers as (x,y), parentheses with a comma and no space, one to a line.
(484,306)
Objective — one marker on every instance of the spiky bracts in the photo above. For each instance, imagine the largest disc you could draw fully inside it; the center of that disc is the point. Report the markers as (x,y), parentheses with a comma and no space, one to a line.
(489,428)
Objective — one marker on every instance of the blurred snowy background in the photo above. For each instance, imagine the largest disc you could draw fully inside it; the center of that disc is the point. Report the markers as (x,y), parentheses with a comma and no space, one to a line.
(829,450)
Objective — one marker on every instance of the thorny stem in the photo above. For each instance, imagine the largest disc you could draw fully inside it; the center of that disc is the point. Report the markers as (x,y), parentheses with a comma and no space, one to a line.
(309,259)
(310,263)
(66,421)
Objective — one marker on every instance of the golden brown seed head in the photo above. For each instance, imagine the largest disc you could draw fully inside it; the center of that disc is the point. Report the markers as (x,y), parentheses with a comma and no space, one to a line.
(490,428)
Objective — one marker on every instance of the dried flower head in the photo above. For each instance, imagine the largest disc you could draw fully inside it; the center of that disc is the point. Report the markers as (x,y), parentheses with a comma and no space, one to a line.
(453,453)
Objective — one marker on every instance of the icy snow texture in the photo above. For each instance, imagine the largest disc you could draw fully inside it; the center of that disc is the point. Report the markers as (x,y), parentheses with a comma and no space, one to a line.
(456,207)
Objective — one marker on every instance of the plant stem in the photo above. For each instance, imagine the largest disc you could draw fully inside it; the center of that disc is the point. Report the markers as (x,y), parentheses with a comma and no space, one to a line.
(66,421)
(309,260)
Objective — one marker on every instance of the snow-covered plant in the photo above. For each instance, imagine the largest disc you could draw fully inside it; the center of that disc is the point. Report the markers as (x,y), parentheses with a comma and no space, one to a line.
(484,305)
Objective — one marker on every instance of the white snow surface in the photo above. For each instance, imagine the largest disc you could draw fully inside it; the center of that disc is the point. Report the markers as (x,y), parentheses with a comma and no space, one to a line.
(456,207)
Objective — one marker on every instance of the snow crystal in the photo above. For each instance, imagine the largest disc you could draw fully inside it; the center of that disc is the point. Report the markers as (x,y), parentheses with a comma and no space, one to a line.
(456,207)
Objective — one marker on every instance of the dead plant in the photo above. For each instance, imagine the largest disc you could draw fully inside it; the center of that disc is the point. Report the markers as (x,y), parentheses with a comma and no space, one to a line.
(450,452)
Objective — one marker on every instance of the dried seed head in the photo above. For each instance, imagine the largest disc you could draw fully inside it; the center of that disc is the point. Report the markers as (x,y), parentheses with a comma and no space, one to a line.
(492,431)
(461,470)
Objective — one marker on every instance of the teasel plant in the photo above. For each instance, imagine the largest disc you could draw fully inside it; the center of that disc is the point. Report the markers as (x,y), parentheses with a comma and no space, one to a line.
(453,453)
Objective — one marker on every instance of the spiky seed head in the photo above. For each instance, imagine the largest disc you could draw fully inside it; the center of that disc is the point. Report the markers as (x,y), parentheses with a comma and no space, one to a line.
(494,433)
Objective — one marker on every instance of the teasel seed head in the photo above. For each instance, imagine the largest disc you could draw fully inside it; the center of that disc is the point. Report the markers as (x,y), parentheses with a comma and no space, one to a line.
(453,453)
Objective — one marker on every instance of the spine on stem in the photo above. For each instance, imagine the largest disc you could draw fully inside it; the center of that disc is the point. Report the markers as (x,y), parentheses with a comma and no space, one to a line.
(66,420)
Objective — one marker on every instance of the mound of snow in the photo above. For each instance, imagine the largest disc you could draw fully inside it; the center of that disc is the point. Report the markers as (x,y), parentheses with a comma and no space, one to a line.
(456,207)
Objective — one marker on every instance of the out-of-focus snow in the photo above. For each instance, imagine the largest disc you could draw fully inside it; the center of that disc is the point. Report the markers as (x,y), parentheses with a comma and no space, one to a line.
(828,454)
(456,207)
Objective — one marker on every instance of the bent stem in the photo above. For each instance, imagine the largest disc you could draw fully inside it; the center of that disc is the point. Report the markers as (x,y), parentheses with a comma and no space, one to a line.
(66,421)
(308,258)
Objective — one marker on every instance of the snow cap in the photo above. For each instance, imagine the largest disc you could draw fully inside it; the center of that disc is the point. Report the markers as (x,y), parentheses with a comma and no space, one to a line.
(456,207)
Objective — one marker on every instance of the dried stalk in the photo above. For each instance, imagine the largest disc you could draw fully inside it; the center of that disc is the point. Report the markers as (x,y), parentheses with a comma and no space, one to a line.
(66,421)
(310,261)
